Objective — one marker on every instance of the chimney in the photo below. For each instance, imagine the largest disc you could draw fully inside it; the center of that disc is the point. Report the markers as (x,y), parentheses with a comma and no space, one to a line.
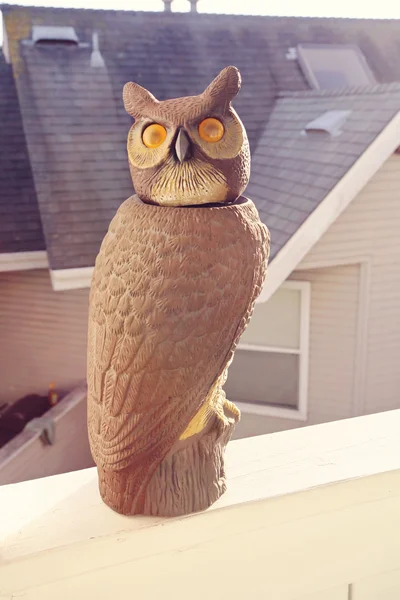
(193,6)
(167,5)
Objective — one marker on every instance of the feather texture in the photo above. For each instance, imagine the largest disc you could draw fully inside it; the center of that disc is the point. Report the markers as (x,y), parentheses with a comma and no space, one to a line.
(172,291)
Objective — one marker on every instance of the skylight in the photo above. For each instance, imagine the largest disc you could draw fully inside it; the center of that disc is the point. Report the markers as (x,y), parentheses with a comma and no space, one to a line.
(330,66)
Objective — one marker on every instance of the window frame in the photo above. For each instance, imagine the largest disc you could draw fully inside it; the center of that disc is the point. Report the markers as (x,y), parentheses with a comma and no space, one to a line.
(301,412)
(308,70)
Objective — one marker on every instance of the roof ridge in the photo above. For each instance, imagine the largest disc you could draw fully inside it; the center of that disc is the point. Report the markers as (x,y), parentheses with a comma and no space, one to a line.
(6,6)
(379,88)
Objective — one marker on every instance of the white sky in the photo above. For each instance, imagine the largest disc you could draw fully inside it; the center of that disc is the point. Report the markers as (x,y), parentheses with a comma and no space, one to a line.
(338,8)
(381,9)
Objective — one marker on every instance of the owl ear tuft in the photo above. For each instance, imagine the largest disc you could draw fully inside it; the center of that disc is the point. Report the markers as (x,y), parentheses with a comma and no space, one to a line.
(137,100)
(225,86)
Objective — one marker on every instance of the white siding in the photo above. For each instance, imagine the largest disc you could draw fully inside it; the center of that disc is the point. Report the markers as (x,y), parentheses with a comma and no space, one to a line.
(42,335)
(333,337)
(368,233)
(370,228)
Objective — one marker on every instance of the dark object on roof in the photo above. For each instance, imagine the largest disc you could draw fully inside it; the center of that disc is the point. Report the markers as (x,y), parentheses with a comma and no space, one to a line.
(14,418)
(73,116)
(20,225)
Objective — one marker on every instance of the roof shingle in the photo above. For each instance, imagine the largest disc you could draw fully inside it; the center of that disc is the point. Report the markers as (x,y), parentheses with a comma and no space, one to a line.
(76,127)
(20,225)
(292,173)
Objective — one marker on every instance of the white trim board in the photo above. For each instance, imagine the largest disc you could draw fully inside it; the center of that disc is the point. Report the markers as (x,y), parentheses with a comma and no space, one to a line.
(269,410)
(319,503)
(326,213)
(23,261)
(6,50)
(71,279)
(364,296)
(361,354)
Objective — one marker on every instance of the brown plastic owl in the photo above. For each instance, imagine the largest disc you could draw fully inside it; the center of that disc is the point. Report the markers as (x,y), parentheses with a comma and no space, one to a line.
(173,289)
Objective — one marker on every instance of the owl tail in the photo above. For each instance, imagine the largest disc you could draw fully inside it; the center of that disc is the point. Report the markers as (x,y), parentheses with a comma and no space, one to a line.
(189,479)
(124,490)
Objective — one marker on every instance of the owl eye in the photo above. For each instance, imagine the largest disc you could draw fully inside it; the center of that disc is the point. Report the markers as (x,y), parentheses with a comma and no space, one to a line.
(211,130)
(154,135)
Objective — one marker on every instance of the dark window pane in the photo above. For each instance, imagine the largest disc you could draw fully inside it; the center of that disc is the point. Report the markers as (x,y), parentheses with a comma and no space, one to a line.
(264,378)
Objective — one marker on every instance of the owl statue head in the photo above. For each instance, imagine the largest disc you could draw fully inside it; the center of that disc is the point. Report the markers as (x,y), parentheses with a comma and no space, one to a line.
(188,151)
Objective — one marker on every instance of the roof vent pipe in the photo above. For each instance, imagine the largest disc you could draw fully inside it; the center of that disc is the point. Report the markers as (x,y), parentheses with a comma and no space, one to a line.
(193,6)
(167,5)
(96,59)
(329,123)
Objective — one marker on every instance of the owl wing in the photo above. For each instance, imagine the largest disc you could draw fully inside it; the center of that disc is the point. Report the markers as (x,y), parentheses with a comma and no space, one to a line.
(168,303)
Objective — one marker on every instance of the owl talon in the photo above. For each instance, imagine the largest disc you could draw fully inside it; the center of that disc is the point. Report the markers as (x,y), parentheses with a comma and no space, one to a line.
(233,409)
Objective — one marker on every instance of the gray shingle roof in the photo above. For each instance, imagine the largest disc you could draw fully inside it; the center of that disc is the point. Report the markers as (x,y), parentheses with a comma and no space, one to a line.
(20,225)
(292,173)
(75,122)
(73,116)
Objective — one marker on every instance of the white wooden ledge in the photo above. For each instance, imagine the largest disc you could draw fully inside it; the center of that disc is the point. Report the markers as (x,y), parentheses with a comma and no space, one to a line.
(311,514)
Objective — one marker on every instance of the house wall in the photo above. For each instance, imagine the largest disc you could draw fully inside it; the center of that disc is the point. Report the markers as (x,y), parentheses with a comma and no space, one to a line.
(333,341)
(354,329)
(354,358)
(42,335)
(370,228)
(332,350)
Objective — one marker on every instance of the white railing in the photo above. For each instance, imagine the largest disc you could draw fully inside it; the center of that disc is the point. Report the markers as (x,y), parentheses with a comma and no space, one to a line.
(311,514)
(27,457)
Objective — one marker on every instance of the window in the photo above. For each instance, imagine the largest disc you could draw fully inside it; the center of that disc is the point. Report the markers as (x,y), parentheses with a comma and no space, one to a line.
(54,34)
(328,66)
(269,373)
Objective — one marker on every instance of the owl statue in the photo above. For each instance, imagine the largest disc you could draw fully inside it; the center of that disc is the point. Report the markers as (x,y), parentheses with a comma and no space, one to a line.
(173,289)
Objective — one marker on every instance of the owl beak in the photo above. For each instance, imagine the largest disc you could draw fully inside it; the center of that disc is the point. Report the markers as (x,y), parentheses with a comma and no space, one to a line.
(182,146)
